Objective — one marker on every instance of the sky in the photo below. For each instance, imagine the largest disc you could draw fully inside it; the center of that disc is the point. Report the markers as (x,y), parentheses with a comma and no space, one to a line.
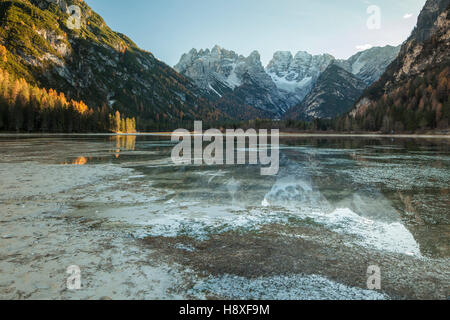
(169,28)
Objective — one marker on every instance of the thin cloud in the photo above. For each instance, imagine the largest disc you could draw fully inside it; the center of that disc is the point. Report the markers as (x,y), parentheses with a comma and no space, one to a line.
(407,16)
(363,47)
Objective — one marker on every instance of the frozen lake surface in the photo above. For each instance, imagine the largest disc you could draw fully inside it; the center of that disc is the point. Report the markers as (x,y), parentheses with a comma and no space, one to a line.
(140,227)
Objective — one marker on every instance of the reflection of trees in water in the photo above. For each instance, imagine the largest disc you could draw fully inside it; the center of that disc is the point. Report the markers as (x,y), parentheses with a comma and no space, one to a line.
(123,143)
(80,161)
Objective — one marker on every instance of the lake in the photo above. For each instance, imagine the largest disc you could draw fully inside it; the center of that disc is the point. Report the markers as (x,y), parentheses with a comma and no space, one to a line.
(140,227)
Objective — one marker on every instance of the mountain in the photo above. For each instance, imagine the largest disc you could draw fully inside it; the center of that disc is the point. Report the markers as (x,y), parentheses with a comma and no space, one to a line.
(95,64)
(28,108)
(295,76)
(414,91)
(106,71)
(238,84)
(370,64)
(225,75)
(334,93)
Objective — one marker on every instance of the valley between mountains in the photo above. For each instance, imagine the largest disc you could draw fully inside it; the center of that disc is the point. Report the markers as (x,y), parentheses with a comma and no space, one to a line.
(93,73)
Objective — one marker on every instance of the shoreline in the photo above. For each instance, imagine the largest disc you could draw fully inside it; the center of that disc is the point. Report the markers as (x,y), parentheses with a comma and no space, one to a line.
(282,135)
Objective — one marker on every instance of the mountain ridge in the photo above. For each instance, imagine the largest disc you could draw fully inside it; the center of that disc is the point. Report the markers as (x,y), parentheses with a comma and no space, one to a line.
(284,83)
(96,65)
(334,94)
(219,72)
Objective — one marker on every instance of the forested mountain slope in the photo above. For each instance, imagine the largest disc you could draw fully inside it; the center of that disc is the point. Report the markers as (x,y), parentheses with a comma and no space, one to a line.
(95,65)
(414,91)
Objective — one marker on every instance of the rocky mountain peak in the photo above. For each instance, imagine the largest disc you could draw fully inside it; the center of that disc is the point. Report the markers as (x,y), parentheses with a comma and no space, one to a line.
(220,72)
(426,23)
(422,63)
(301,65)
(255,55)
(218,52)
(296,75)
(280,63)
(193,52)
(286,80)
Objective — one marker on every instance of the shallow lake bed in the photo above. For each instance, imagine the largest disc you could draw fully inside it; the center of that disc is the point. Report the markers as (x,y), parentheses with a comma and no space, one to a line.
(140,227)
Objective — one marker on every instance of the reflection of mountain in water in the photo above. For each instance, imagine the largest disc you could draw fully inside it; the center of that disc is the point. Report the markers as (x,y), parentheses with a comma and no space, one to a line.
(230,197)
(365,214)
(294,188)
(124,142)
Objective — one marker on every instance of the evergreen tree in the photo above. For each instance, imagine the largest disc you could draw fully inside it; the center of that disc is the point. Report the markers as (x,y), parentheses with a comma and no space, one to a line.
(28,108)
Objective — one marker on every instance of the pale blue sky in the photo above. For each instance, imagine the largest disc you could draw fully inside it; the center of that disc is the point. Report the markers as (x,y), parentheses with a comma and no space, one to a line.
(169,28)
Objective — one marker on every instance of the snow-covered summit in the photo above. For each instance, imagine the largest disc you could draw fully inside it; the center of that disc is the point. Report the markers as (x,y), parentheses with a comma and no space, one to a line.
(296,75)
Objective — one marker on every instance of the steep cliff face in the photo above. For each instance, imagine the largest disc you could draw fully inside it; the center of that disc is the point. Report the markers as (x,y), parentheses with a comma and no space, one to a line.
(213,71)
(429,44)
(94,64)
(295,76)
(220,73)
(334,93)
(424,57)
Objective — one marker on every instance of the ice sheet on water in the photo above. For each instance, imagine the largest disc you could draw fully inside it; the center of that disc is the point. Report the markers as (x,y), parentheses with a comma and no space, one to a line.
(381,235)
(293,287)
(400,177)
(375,222)
(319,151)
(369,219)
(372,221)
(393,237)
(200,222)
(408,157)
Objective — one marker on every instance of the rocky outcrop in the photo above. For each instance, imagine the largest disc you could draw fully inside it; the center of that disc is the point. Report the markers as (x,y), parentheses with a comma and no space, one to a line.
(427,49)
